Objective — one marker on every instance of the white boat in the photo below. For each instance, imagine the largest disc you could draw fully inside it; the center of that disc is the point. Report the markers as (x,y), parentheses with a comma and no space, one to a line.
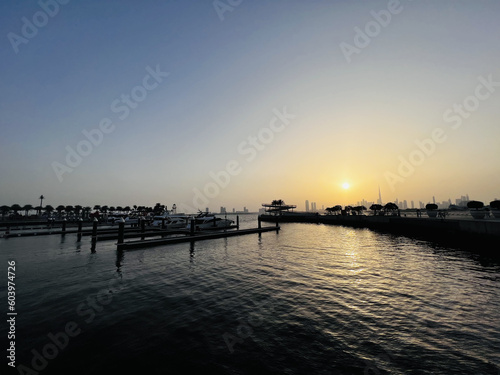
(172,221)
(206,220)
(115,218)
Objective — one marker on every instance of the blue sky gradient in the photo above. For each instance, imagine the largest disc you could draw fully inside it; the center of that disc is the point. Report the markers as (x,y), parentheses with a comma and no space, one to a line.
(353,118)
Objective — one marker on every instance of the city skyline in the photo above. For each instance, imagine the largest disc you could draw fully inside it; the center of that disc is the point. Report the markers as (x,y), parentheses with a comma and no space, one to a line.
(309,206)
(119,103)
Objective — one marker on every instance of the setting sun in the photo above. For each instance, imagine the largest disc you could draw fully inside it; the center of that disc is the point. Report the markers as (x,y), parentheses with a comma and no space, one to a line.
(346,185)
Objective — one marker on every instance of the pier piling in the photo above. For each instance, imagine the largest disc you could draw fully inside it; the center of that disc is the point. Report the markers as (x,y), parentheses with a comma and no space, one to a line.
(79,235)
(121,231)
(94,235)
(237,221)
(63,227)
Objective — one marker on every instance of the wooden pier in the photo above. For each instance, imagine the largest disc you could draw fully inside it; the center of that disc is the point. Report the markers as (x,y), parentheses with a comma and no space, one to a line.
(188,237)
(119,233)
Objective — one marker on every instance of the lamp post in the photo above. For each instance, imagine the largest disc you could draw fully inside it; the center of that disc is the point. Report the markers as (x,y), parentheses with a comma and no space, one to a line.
(41,200)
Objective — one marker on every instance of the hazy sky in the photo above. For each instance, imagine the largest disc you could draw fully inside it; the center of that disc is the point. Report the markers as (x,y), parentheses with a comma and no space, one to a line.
(235,103)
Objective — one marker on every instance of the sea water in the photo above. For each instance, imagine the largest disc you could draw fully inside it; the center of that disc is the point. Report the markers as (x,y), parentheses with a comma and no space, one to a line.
(311,299)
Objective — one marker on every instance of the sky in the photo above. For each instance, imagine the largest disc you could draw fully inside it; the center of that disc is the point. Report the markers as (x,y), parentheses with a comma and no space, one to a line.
(236,103)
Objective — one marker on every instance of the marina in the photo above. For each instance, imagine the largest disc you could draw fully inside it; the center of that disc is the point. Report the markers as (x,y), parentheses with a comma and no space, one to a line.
(375,302)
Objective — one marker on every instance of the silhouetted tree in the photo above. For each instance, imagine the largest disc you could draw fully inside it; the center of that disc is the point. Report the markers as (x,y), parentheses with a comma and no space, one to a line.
(376,208)
(27,208)
(5,210)
(59,210)
(78,209)
(49,209)
(391,208)
(16,208)
(86,212)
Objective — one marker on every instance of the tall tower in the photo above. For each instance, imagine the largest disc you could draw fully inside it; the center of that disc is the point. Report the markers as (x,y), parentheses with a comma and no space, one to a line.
(307,206)
(379,201)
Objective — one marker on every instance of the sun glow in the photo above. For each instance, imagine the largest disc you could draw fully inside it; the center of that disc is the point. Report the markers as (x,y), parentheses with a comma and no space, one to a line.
(346,185)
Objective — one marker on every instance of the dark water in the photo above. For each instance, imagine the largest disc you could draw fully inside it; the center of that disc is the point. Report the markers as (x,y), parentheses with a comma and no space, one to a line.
(313,299)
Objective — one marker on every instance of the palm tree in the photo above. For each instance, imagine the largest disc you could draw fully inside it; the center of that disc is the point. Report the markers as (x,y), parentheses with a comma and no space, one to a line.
(77,210)
(16,208)
(376,208)
(359,209)
(329,210)
(391,207)
(158,208)
(278,202)
(69,209)
(5,210)
(104,209)
(119,209)
(97,207)
(48,208)
(126,209)
(59,210)
(27,208)
(86,211)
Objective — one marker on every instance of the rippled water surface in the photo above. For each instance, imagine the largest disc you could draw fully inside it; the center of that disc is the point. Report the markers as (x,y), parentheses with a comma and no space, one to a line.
(313,299)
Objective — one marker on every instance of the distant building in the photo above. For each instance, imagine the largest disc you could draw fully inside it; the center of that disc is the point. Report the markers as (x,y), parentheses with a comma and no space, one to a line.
(307,206)
(379,200)
(412,204)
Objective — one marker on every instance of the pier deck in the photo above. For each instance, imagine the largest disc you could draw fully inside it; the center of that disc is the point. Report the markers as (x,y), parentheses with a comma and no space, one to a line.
(198,236)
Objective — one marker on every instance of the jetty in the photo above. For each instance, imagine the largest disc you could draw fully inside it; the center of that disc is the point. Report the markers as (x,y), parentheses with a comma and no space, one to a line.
(188,237)
(141,235)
